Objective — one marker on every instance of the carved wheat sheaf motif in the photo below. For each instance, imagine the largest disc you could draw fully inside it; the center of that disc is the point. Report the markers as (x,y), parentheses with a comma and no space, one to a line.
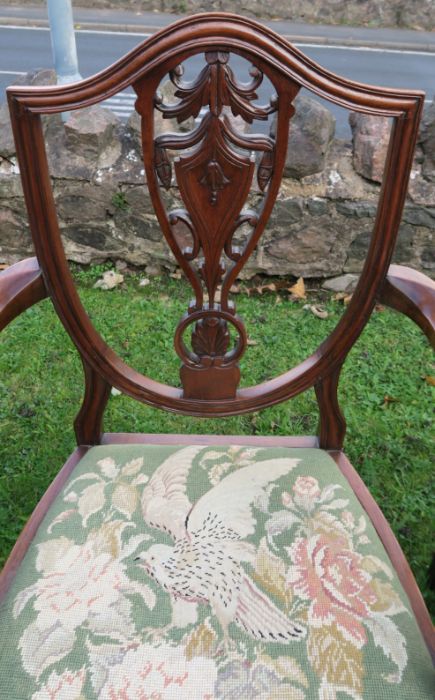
(214,166)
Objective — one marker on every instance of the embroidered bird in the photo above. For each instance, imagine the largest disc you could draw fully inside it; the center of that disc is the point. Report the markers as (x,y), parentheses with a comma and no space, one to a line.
(204,564)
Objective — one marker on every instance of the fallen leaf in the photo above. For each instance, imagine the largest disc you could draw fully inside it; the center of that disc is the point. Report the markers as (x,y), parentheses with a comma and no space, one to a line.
(389,399)
(251,342)
(429,379)
(110,280)
(379,308)
(298,289)
(144,282)
(115,392)
(278,299)
(235,289)
(269,287)
(340,296)
(176,275)
(318,311)
(261,288)
(347,299)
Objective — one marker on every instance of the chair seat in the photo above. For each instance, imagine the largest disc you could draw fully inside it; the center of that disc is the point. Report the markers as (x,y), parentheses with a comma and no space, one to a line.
(209,572)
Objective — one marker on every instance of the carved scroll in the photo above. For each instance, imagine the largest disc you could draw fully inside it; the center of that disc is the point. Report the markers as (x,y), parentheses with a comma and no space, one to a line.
(214,169)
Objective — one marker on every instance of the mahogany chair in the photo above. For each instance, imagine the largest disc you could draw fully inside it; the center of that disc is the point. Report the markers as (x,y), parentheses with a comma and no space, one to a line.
(173,566)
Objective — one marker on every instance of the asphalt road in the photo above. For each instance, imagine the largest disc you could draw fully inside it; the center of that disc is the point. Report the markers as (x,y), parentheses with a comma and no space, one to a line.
(24,48)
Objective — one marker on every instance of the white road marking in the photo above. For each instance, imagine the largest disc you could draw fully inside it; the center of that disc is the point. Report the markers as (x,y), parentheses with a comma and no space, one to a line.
(79,31)
(339,47)
(372,49)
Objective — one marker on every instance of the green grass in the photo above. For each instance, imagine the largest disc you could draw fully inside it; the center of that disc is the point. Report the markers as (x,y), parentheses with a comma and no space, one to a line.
(388,442)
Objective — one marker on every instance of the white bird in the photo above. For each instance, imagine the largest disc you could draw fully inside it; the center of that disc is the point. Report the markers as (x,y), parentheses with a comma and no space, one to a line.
(204,565)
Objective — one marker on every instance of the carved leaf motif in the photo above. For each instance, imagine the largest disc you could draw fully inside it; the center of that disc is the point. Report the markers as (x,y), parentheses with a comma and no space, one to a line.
(163,166)
(214,179)
(210,337)
(265,169)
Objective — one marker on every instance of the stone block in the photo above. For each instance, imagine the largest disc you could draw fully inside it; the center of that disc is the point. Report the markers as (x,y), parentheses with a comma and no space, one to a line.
(90,131)
(370,137)
(312,129)
(427,138)
(343,283)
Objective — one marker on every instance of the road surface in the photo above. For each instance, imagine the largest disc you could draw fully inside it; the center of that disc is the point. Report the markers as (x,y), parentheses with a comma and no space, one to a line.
(23,48)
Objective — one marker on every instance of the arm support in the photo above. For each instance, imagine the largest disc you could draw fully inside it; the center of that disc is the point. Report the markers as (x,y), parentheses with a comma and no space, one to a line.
(21,286)
(413,294)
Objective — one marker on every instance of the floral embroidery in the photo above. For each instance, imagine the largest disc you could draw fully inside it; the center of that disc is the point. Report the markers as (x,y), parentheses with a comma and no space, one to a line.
(330,576)
(61,687)
(211,574)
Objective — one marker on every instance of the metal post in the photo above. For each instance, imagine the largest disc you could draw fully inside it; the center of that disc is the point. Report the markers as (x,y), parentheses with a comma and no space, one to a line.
(63,42)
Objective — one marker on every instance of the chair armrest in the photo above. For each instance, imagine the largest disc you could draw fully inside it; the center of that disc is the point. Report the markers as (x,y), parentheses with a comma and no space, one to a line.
(21,286)
(412,293)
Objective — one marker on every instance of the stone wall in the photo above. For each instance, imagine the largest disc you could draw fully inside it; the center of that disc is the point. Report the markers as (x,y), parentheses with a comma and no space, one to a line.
(418,14)
(320,226)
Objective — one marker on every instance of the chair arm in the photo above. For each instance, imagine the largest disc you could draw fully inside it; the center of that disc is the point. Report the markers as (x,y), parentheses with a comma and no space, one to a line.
(412,293)
(21,286)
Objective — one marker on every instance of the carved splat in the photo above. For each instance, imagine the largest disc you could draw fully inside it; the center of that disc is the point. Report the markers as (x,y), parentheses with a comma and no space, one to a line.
(214,167)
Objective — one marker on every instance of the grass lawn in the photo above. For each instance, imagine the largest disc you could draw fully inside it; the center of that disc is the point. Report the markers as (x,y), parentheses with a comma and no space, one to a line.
(388,439)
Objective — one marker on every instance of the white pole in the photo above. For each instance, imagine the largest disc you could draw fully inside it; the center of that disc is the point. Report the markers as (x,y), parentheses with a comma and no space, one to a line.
(63,42)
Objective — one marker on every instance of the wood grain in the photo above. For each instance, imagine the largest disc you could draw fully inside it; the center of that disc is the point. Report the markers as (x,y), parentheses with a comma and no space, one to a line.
(21,286)
(413,294)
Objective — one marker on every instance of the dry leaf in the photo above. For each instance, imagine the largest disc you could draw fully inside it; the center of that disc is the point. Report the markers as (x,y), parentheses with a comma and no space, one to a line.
(318,311)
(176,275)
(270,287)
(379,308)
(429,379)
(115,392)
(278,299)
(251,342)
(389,399)
(235,289)
(144,282)
(298,289)
(261,288)
(342,296)
(110,280)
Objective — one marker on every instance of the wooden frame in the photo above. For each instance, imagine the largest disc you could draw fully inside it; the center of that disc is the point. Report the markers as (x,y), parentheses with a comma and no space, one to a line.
(216,34)
(47,275)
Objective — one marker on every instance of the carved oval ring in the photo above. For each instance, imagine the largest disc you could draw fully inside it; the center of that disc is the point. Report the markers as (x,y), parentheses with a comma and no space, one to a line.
(192,358)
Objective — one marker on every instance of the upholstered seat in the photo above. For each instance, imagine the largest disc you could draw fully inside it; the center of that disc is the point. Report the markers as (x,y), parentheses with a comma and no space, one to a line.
(209,572)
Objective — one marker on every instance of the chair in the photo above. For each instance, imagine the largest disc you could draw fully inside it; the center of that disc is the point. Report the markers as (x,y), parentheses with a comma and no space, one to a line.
(171,566)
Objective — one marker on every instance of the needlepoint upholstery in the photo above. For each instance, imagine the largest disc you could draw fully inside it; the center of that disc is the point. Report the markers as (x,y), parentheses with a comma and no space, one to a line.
(209,573)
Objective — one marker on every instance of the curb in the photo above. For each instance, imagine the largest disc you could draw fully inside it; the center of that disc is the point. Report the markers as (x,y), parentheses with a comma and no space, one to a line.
(137,29)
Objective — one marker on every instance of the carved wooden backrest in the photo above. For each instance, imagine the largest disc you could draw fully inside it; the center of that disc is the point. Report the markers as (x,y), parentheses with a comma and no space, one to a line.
(215,166)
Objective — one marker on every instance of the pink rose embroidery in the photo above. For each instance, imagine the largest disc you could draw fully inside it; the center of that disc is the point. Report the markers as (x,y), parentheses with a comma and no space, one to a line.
(329,575)
(306,491)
